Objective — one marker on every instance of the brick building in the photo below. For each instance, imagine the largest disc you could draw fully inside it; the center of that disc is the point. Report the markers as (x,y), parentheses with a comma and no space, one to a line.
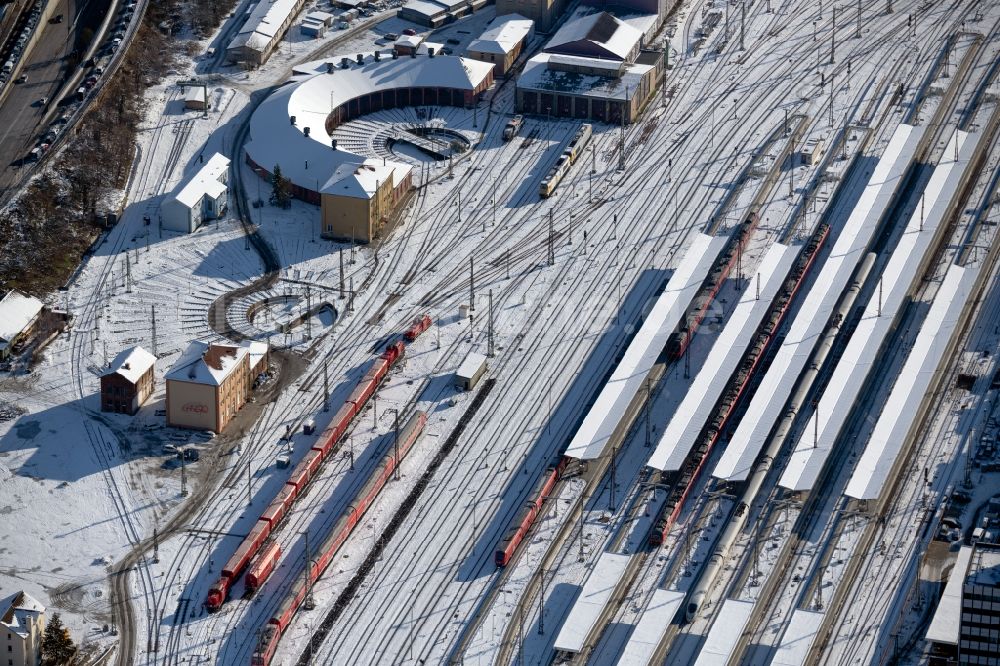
(128,382)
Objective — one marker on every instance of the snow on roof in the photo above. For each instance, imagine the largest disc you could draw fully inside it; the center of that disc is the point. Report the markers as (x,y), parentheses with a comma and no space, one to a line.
(652,625)
(798,638)
(309,161)
(725,632)
(684,428)
(611,35)
(357,180)
(410,41)
(537,75)
(264,22)
(470,366)
(16,609)
(901,408)
(593,598)
(207,363)
(425,8)
(194,94)
(507,32)
(848,378)
(205,180)
(322,17)
(17,311)
(816,308)
(945,626)
(609,408)
(131,363)
(257,350)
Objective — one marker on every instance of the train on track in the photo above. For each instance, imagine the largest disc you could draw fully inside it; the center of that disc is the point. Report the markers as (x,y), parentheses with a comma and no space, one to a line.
(683,480)
(567,159)
(529,512)
(731,255)
(307,469)
(267,643)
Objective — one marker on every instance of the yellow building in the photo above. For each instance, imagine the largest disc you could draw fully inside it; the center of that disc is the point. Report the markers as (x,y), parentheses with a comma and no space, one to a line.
(359,198)
(207,386)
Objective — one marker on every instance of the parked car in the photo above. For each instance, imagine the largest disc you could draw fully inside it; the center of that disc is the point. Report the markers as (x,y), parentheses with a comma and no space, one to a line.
(169,449)
(191,454)
(410,32)
(56,19)
(22,79)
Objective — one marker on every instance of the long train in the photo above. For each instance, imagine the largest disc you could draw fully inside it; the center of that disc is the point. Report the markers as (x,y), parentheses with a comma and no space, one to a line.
(271,633)
(308,467)
(529,512)
(730,256)
(684,479)
(676,346)
(573,152)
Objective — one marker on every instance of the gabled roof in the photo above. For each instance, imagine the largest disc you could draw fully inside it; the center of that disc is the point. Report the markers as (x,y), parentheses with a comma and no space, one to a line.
(357,180)
(131,363)
(504,36)
(17,311)
(616,38)
(16,609)
(204,181)
(207,363)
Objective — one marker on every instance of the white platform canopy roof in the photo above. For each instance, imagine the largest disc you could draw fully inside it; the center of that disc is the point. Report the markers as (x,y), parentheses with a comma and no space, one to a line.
(651,626)
(798,639)
(816,308)
(901,409)
(814,445)
(609,408)
(593,598)
(725,632)
(682,432)
(945,626)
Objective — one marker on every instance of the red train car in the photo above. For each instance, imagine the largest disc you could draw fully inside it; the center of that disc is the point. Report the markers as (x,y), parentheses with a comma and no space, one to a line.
(309,466)
(526,518)
(250,545)
(267,645)
(729,257)
(271,634)
(420,325)
(262,567)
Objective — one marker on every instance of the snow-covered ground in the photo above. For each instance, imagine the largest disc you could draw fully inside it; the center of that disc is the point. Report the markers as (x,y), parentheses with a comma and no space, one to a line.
(82,488)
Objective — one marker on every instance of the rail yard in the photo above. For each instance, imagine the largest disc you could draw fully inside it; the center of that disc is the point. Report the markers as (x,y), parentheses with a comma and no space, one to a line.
(668,337)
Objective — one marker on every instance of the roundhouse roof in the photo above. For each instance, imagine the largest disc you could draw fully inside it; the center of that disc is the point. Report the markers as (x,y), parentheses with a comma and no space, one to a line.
(309,161)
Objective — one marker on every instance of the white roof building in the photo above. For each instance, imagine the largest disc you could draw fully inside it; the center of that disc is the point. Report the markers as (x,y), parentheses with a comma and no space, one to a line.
(263,28)
(201,196)
(22,618)
(504,36)
(131,364)
(304,148)
(17,313)
(599,35)
(206,363)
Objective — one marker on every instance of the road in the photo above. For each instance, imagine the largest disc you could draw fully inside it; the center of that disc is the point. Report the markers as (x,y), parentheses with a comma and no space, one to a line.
(21,112)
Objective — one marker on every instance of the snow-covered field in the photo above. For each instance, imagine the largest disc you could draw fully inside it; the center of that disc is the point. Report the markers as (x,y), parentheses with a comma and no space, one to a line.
(80,489)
